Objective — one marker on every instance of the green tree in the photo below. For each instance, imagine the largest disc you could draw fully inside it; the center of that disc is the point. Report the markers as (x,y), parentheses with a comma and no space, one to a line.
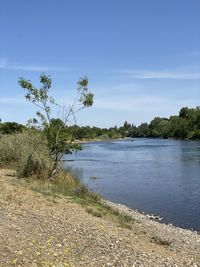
(54,129)
(11,127)
(143,130)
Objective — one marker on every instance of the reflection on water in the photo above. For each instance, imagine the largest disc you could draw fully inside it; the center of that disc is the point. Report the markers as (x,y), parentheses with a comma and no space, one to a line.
(151,175)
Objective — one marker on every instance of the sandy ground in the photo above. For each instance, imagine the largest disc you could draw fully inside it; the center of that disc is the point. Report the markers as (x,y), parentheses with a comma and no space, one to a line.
(40,231)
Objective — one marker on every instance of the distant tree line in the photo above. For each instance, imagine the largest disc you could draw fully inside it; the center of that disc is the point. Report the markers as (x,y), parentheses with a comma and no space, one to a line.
(11,127)
(186,125)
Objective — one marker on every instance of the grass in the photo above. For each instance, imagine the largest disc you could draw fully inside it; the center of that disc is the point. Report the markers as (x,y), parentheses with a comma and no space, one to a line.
(94,212)
(158,240)
(67,186)
(27,153)
(98,209)
(63,185)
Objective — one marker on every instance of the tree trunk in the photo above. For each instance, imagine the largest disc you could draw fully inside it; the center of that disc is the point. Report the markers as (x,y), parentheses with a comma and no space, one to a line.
(53,171)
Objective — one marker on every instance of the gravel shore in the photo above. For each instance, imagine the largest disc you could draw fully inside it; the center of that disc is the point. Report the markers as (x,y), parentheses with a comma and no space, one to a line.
(44,231)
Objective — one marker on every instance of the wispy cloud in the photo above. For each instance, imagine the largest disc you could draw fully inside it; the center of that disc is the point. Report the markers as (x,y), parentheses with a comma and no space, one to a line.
(176,74)
(6,65)
(129,103)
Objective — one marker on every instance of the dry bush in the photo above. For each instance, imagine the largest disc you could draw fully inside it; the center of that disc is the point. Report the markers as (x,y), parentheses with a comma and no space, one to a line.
(27,152)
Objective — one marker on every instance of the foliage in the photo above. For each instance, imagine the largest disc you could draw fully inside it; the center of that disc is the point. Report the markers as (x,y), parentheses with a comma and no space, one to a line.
(11,127)
(184,126)
(26,152)
(59,141)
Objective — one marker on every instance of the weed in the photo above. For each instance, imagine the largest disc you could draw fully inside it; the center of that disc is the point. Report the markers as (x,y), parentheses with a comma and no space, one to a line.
(158,240)
(94,212)
(27,152)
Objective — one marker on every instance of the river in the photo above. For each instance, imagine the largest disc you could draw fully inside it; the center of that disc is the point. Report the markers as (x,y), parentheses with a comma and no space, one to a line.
(154,176)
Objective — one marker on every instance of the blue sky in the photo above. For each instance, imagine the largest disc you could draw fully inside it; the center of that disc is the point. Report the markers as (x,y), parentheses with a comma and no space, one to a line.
(142,57)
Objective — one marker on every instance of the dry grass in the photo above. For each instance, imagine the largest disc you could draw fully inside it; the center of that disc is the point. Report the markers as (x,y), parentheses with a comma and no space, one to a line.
(27,152)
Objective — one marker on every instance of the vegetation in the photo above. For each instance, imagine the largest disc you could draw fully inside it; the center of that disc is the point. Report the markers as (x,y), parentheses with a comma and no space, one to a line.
(184,126)
(59,143)
(26,152)
(68,186)
(35,150)
(28,155)
(11,127)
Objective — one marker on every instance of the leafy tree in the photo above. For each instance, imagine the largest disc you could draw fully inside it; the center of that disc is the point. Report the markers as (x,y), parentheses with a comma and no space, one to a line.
(59,142)
(11,127)
(126,125)
(143,130)
(184,112)
(184,126)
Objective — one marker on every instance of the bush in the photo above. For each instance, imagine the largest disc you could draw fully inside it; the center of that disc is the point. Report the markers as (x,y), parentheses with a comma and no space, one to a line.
(196,135)
(105,136)
(26,152)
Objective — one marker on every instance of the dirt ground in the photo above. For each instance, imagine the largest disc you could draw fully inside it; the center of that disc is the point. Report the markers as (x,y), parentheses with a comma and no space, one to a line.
(44,231)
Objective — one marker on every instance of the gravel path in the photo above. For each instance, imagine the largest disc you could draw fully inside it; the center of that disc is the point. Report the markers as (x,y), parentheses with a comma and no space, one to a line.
(40,231)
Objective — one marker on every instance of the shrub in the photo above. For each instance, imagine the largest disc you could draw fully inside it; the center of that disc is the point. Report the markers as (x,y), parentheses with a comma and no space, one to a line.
(27,152)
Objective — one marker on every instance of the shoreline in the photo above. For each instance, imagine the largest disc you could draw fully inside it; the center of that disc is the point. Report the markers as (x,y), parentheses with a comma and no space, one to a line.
(132,139)
(162,233)
(187,222)
(102,140)
(65,229)
(140,216)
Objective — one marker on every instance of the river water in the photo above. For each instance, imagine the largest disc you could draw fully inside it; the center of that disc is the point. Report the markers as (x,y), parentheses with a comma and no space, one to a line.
(154,176)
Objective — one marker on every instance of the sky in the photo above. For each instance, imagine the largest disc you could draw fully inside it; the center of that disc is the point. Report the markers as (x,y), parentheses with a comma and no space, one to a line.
(142,57)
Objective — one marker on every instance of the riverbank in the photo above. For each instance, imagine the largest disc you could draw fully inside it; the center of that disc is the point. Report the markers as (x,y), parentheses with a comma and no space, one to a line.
(94,140)
(151,175)
(52,230)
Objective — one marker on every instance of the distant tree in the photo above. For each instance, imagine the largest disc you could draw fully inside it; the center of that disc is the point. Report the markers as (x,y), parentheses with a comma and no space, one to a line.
(53,129)
(127,125)
(183,112)
(159,127)
(143,130)
(11,127)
